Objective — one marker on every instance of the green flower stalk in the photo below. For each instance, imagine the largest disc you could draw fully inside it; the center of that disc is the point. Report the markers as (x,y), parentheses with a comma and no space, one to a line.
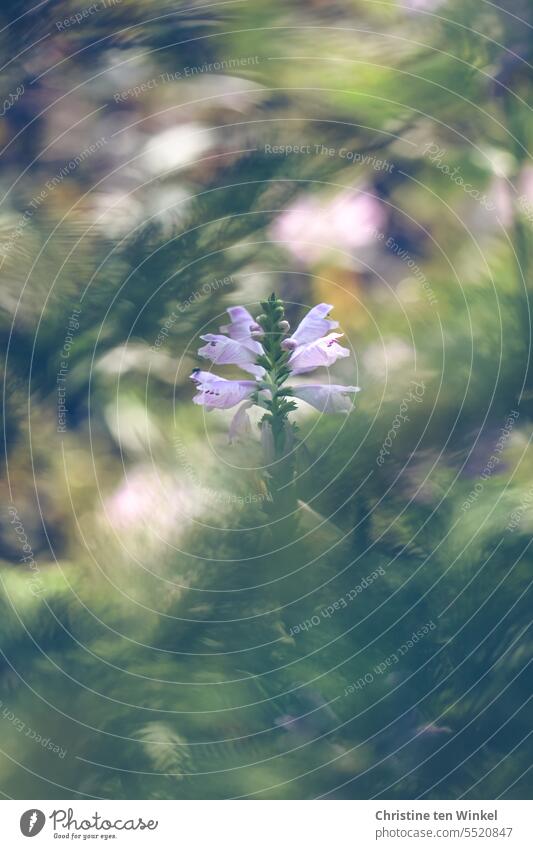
(275,360)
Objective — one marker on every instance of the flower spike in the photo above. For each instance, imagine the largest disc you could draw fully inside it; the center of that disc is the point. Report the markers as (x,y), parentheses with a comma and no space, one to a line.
(272,362)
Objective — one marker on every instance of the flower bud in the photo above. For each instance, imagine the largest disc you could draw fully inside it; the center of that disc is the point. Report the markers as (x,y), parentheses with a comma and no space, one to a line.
(284,326)
(289,345)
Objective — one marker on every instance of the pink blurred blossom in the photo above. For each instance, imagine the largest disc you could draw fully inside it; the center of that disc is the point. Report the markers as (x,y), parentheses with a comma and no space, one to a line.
(525,183)
(424,5)
(313,228)
(145,499)
(499,195)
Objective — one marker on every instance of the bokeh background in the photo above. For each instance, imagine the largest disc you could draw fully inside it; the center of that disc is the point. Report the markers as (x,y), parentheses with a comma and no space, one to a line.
(160,636)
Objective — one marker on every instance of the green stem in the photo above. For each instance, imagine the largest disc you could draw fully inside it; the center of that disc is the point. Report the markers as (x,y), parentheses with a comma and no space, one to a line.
(279,403)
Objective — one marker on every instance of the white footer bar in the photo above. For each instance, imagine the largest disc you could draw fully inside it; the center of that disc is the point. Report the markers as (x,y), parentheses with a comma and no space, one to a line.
(267,824)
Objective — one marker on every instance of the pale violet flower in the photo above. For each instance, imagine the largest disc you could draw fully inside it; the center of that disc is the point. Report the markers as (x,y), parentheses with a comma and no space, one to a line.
(312,327)
(272,362)
(327,397)
(224,351)
(308,345)
(240,423)
(238,348)
(242,325)
(322,352)
(217,392)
